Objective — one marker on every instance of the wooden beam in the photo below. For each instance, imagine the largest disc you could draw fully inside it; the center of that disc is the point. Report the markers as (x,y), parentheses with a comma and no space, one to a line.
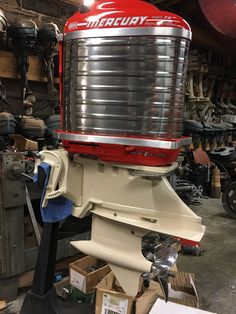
(184,7)
(26,279)
(203,38)
(14,12)
(172,2)
(3,305)
(8,67)
(73,2)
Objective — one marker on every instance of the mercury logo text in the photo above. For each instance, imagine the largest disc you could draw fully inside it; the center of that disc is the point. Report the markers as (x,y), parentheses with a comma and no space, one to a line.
(119,21)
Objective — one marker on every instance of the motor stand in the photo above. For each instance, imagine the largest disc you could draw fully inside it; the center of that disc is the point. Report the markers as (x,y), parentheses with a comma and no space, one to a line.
(43,298)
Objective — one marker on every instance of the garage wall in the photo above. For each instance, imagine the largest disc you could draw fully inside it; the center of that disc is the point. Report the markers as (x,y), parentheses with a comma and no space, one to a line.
(40,11)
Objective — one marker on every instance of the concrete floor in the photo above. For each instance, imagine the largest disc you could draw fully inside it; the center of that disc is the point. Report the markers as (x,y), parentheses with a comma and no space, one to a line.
(215,271)
(14,307)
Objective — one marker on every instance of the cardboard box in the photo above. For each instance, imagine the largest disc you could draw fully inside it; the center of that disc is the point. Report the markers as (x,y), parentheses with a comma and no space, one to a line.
(81,276)
(181,290)
(24,144)
(111,297)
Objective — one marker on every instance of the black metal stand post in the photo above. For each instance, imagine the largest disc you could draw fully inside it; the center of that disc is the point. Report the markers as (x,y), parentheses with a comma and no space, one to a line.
(45,266)
(42,298)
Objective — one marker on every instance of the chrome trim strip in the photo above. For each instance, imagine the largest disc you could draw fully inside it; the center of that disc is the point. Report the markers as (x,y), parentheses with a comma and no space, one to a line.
(118,140)
(60,37)
(120,32)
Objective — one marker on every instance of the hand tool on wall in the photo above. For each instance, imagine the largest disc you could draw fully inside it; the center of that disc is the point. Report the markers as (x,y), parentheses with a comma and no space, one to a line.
(32,216)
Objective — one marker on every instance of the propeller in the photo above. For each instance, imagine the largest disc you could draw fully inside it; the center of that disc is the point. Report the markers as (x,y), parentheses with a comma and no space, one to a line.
(163,260)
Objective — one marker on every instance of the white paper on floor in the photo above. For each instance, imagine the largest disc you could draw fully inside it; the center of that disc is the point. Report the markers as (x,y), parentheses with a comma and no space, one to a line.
(161,307)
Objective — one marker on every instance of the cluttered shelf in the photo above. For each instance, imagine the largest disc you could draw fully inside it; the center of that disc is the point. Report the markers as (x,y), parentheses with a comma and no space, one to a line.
(8,67)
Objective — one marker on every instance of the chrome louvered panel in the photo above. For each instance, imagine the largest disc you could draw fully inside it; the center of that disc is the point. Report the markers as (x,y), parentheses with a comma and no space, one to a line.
(125,85)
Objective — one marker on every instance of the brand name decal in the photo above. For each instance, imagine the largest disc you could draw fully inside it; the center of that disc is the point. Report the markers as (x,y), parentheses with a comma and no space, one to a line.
(93,22)
(119,21)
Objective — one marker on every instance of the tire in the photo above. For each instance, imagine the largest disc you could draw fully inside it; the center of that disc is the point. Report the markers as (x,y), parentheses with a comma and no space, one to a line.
(229,199)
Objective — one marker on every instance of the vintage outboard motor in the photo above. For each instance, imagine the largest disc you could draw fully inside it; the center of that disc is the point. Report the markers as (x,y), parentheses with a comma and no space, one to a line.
(47,48)
(123,69)
(23,38)
(32,127)
(48,36)
(7,123)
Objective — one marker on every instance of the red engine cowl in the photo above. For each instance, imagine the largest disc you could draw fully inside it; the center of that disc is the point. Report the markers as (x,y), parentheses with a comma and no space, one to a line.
(122,68)
(122,14)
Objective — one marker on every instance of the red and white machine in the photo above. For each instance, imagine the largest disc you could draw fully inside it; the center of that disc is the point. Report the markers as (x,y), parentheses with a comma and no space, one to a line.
(122,67)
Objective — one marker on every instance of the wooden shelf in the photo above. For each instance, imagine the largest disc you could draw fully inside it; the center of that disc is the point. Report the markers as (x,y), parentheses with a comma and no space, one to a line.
(8,67)
(73,2)
(204,39)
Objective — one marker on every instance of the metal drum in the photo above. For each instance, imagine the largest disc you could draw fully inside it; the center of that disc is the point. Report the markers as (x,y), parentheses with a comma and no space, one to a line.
(125,85)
